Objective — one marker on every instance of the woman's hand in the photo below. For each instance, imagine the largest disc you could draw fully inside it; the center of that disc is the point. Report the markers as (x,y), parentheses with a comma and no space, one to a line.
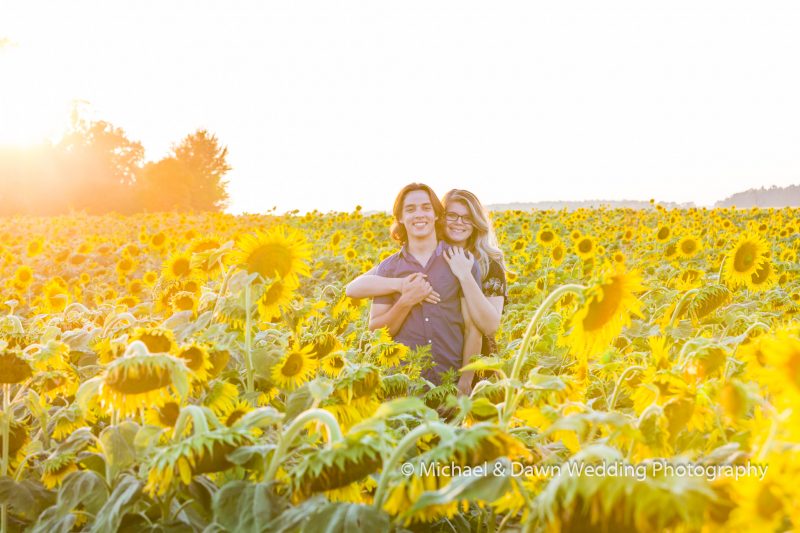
(432,297)
(460,262)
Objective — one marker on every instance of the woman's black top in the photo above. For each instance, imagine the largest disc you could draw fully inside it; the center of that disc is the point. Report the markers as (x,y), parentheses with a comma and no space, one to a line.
(493,285)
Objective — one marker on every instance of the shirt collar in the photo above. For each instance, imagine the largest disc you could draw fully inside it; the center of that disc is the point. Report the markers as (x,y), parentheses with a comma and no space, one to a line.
(440,246)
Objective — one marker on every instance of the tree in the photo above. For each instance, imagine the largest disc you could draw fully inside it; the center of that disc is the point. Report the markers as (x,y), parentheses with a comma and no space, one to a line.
(100,166)
(205,164)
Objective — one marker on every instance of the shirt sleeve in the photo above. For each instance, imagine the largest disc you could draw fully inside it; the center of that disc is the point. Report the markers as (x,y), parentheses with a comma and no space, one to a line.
(495,282)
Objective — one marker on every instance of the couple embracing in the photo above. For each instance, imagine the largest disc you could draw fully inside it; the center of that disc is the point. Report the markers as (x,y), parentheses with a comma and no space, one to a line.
(446,287)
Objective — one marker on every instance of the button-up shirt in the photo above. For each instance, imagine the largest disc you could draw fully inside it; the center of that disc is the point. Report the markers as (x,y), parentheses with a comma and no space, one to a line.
(441,326)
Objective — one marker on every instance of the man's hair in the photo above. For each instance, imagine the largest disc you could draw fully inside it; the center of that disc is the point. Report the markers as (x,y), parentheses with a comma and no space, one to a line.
(398,230)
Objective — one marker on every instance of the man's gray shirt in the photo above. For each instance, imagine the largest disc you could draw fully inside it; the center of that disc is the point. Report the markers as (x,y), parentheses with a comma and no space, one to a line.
(439,325)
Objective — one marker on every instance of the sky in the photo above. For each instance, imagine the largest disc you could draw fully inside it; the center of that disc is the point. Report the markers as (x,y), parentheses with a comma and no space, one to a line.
(327,105)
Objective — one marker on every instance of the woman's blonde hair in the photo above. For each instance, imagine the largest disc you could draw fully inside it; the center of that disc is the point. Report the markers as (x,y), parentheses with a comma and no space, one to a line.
(483,241)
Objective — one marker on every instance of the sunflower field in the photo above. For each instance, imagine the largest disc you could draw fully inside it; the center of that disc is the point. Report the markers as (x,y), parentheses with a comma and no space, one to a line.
(206,372)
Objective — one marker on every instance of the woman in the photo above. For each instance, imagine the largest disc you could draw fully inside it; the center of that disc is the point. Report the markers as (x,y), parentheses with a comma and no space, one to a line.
(468,229)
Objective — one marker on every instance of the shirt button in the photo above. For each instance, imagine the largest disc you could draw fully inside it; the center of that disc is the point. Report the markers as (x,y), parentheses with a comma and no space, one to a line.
(426,319)
(429,341)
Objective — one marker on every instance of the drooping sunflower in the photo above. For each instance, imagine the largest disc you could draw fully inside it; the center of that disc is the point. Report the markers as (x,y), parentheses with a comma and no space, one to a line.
(749,254)
(281,252)
(607,308)
(13,367)
(137,382)
(295,368)
(157,339)
(56,467)
(278,294)
(332,364)
(201,453)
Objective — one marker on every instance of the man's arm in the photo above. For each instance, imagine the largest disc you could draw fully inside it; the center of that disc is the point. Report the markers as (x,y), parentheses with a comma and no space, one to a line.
(390,316)
(472,347)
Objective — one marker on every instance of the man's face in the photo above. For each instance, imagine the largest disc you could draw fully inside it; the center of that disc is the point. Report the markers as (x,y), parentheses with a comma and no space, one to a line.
(418,215)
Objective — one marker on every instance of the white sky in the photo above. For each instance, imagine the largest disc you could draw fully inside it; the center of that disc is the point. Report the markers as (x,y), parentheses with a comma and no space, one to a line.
(330,104)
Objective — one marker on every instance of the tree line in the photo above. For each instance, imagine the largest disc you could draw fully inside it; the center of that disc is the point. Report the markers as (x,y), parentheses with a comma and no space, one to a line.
(96,168)
(773,197)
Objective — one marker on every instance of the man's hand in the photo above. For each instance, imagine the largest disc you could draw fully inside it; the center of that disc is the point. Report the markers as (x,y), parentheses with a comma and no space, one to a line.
(431,298)
(465,383)
(460,262)
(415,291)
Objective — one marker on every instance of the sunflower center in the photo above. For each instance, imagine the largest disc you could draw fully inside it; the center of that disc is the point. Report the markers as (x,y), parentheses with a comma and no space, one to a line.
(558,253)
(745,257)
(193,357)
(600,312)
(293,365)
(663,233)
(155,342)
(181,267)
(547,236)
(688,246)
(269,260)
(168,414)
(145,379)
(273,294)
(13,369)
(585,246)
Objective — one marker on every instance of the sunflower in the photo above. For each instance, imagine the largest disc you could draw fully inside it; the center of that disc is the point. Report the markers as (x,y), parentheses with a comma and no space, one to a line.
(56,296)
(136,382)
(157,339)
(688,247)
(606,310)
(345,462)
(178,266)
(201,453)
(663,233)
(281,252)
(221,397)
(125,265)
(546,237)
(585,247)
(557,253)
(56,467)
(150,278)
(197,360)
(278,294)
(23,276)
(332,364)
(747,256)
(13,367)
(763,278)
(295,368)
(165,416)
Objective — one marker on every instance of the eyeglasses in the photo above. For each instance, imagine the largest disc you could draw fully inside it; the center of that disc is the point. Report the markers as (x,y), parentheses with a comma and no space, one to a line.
(453,217)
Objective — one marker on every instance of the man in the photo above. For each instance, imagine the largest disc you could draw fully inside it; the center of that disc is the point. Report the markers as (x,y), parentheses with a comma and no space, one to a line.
(411,317)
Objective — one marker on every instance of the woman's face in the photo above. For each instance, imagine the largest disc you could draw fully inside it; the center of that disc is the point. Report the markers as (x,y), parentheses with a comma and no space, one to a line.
(458,223)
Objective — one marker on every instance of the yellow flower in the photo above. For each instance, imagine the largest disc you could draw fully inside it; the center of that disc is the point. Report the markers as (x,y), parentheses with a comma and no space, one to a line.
(606,310)
(281,252)
(745,259)
(295,368)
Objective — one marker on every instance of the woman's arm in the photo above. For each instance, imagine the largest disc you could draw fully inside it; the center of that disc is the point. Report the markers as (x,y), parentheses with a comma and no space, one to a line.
(485,312)
(392,316)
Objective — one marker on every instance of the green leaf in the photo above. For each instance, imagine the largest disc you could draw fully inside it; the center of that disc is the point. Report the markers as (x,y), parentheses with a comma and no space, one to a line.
(485,486)
(320,389)
(54,520)
(544,382)
(485,363)
(119,446)
(82,487)
(242,506)
(346,518)
(298,401)
(27,498)
(124,496)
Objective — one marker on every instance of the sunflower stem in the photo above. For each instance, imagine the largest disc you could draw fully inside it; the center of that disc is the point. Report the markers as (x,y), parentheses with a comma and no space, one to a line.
(288,436)
(248,361)
(618,385)
(679,307)
(4,466)
(552,298)
(390,466)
